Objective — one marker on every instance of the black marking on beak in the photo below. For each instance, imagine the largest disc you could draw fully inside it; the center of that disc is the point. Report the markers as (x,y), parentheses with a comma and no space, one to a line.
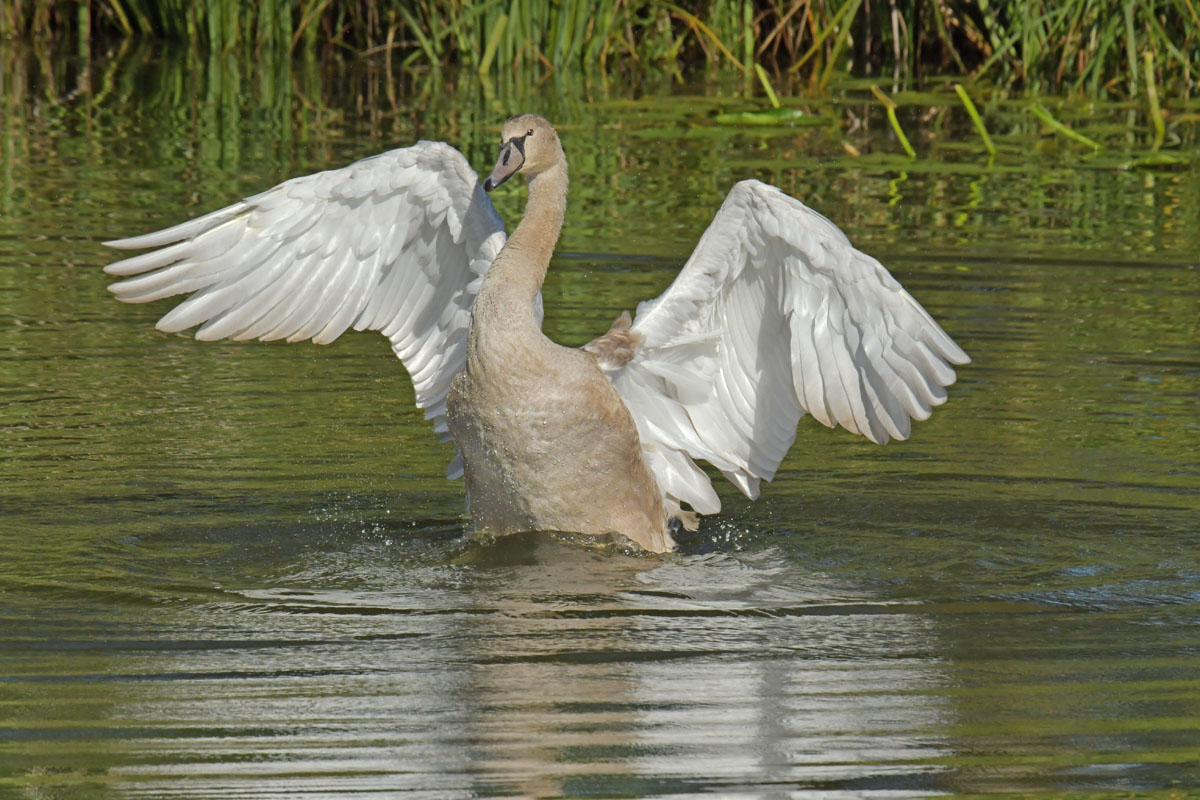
(503,170)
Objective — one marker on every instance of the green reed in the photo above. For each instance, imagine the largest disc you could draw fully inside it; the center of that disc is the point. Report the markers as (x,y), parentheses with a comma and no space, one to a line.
(1089,47)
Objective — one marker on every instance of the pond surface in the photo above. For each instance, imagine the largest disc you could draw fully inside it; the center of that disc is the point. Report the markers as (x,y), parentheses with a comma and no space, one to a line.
(235,570)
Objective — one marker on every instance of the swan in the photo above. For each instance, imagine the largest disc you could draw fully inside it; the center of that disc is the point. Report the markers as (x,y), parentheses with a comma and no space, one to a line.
(773,316)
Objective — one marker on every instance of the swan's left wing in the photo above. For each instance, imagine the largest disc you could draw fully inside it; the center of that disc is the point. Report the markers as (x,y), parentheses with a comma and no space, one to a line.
(397,243)
(774,315)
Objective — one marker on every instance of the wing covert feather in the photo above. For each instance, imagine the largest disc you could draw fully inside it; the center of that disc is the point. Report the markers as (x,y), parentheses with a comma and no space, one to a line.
(396,243)
(775,315)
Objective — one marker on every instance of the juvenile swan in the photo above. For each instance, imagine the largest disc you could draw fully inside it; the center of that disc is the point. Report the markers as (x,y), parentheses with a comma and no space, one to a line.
(774,315)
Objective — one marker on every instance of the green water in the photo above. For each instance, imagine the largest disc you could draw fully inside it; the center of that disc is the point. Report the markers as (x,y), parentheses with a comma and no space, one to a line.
(234,570)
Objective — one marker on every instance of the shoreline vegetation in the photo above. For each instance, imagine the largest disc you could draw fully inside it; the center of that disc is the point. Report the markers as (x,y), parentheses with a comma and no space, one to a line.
(1104,49)
(1102,79)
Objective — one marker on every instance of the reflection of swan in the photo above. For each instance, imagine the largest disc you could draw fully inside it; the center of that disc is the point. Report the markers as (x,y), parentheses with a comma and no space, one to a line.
(774,315)
(542,670)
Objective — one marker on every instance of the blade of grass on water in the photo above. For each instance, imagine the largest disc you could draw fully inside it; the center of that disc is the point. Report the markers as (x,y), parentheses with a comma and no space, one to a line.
(1152,95)
(973,113)
(890,105)
(766,84)
(1041,113)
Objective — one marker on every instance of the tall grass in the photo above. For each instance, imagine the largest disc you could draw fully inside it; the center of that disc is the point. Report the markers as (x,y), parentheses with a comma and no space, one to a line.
(1080,46)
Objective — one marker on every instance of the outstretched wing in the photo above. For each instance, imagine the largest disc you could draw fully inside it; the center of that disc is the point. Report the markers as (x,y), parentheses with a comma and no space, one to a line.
(775,314)
(395,243)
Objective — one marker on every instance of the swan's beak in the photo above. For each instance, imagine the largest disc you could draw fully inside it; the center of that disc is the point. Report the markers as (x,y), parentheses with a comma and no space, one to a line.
(512,158)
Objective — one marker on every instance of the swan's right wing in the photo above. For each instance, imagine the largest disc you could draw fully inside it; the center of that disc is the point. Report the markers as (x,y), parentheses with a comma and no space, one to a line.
(396,243)
(775,314)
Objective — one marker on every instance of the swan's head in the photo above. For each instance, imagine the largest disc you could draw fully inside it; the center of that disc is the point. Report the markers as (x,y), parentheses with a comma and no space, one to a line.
(528,144)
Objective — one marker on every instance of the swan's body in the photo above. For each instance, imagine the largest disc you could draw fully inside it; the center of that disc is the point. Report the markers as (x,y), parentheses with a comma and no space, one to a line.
(774,315)
(547,442)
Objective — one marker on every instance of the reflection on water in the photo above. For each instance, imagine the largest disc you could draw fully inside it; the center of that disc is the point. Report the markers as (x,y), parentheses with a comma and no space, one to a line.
(235,570)
(539,668)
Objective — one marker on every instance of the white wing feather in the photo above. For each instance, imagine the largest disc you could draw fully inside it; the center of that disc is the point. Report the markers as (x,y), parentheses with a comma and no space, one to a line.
(775,314)
(395,243)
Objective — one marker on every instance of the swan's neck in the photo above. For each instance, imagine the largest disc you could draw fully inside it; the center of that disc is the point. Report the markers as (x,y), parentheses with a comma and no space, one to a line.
(504,318)
(521,266)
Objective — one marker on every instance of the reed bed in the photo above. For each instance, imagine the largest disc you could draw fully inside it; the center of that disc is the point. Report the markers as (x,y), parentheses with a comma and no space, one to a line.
(1094,47)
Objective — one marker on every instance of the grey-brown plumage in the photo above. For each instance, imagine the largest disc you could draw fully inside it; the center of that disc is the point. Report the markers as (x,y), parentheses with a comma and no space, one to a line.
(547,442)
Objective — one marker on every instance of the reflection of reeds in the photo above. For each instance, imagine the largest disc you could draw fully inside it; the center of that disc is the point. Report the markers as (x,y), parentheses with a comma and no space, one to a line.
(145,137)
(1077,45)
(222,110)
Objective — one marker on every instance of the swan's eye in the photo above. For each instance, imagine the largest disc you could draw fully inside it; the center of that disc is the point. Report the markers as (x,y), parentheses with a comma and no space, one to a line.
(530,132)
